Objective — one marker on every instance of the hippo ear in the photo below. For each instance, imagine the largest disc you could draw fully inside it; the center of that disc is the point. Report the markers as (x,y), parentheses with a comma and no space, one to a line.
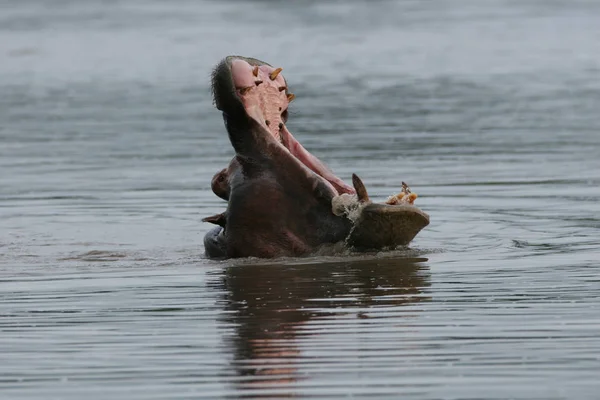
(361,190)
(218,219)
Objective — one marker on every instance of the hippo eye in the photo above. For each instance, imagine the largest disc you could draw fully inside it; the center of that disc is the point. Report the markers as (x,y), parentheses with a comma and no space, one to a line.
(221,178)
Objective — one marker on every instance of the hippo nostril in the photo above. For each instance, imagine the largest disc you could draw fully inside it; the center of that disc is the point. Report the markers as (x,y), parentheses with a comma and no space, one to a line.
(267,122)
(258,82)
(282,88)
(280,125)
(273,75)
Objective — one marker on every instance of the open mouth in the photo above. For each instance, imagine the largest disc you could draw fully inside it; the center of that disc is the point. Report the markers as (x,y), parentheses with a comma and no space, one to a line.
(281,199)
(263,93)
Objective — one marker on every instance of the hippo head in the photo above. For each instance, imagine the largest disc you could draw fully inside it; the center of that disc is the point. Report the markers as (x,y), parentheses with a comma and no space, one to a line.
(282,199)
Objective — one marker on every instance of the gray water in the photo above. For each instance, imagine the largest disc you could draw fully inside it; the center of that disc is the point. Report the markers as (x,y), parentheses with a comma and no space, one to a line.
(108,141)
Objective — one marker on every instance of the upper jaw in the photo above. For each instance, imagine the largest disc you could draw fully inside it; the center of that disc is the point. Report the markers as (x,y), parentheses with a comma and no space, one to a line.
(256,93)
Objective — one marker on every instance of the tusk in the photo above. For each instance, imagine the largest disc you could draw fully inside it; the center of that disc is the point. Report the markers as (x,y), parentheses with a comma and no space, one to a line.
(361,190)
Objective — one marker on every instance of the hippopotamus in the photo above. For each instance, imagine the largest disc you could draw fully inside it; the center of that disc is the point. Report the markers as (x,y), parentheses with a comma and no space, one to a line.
(281,199)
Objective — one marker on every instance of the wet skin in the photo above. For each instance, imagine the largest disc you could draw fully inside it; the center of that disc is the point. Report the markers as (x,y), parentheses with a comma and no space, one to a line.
(279,195)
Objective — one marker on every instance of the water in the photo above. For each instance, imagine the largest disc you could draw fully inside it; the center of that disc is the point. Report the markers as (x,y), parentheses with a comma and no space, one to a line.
(489,110)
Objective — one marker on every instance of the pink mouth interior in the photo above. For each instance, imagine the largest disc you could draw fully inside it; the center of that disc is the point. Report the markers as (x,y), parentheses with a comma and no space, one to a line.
(265,100)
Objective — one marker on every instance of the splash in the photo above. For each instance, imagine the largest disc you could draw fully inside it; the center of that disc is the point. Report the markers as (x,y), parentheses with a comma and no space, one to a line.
(348,205)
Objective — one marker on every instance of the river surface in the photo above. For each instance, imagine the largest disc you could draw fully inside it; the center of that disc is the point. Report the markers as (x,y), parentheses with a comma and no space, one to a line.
(490,110)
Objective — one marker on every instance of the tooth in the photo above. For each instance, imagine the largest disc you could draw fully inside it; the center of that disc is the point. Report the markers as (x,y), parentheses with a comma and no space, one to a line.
(274,74)
(258,82)
(290,97)
(405,188)
(255,71)
(245,90)
(361,190)
(282,88)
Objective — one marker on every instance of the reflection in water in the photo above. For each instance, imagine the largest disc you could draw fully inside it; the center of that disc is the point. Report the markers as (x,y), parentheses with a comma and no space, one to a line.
(269,303)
